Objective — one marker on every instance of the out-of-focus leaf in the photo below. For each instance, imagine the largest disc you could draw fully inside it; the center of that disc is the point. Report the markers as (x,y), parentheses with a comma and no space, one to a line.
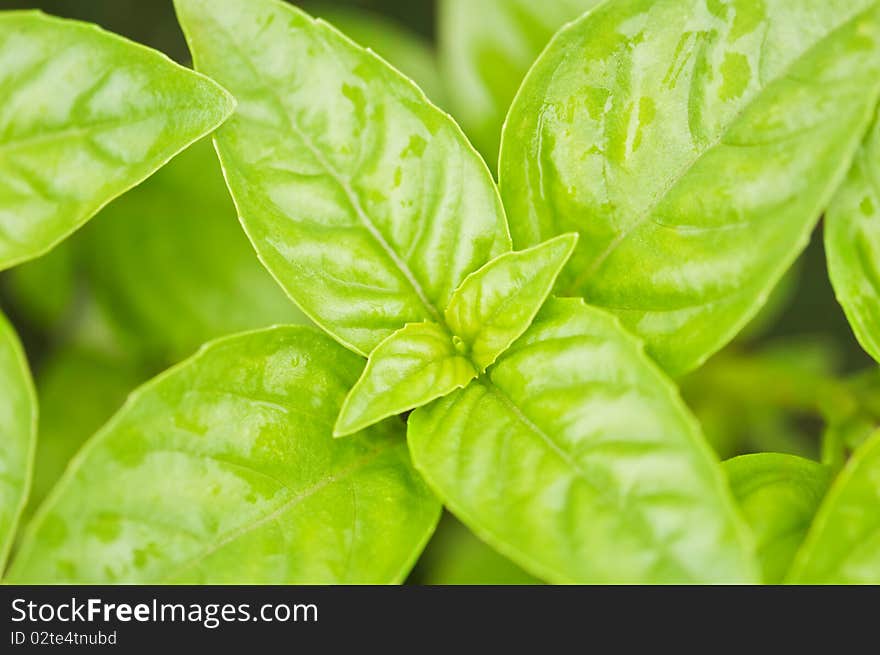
(843,544)
(852,243)
(85,116)
(78,390)
(366,202)
(44,289)
(576,458)
(18,434)
(694,146)
(402,48)
(171,267)
(779,496)
(773,310)
(767,399)
(456,557)
(231,475)
(486,47)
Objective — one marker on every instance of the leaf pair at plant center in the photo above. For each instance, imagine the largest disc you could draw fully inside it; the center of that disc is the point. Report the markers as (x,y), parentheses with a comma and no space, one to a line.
(487,313)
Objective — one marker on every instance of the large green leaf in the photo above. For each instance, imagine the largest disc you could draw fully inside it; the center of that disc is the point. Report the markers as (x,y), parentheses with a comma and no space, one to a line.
(18,433)
(576,458)
(486,47)
(171,267)
(85,116)
(496,304)
(694,145)
(78,389)
(779,496)
(365,202)
(852,242)
(415,365)
(224,470)
(405,50)
(843,544)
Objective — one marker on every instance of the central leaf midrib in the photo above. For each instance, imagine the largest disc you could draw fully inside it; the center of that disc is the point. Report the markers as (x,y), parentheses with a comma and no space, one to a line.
(645,215)
(277,512)
(604,498)
(340,180)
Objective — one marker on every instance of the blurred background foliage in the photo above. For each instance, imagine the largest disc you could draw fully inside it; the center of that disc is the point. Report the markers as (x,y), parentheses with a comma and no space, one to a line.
(167,267)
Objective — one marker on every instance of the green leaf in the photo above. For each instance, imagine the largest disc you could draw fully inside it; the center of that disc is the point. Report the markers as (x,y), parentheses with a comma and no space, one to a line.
(412,367)
(402,48)
(852,243)
(694,146)
(171,267)
(85,116)
(18,434)
(224,470)
(497,303)
(575,457)
(365,202)
(78,391)
(486,47)
(779,496)
(843,544)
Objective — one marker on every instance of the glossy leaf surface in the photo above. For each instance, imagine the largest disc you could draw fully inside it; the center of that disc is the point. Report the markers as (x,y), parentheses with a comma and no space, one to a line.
(365,202)
(852,242)
(778,496)
(232,476)
(497,303)
(694,146)
(843,544)
(18,435)
(575,458)
(85,116)
(410,368)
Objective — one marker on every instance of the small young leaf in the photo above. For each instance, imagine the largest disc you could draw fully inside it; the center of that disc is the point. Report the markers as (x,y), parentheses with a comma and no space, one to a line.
(231,475)
(575,457)
(85,116)
(365,202)
(694,146)
(171,267)
(486,47)
(407,51)
(497,303)
(779,496)
(843,544)
(412,367)
(18,435)
(852,243)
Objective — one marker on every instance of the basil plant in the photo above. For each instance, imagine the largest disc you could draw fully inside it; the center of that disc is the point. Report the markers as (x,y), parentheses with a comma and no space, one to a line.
(394,328)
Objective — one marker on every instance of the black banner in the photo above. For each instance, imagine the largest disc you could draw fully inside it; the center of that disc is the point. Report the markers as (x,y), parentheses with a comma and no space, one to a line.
(128,619)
